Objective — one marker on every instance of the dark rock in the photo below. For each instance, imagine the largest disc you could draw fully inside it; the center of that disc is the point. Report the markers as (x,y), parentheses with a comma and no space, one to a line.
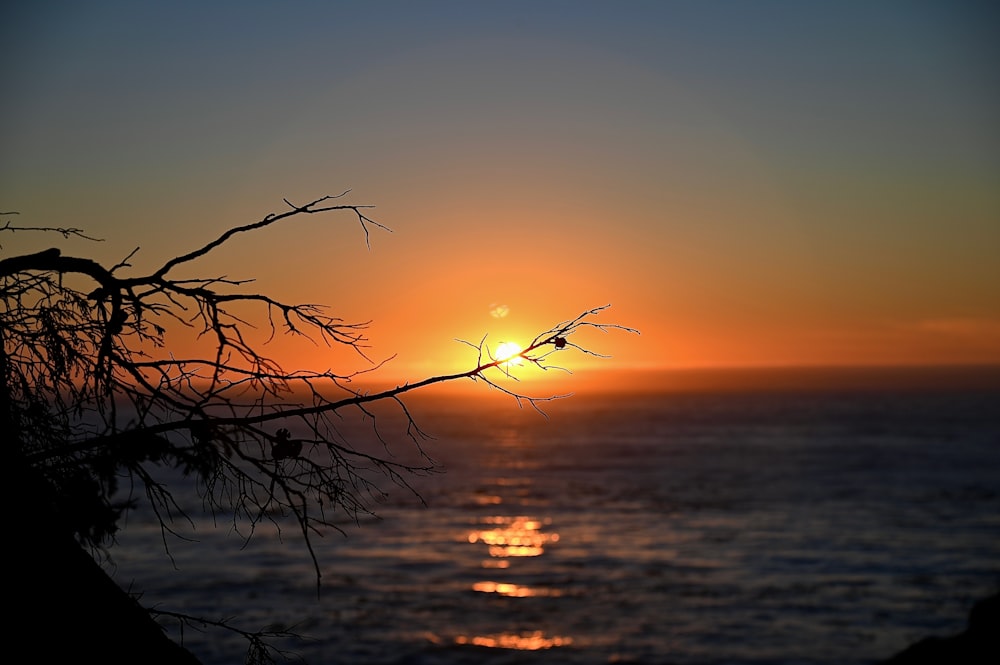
(61,607)
(979,644)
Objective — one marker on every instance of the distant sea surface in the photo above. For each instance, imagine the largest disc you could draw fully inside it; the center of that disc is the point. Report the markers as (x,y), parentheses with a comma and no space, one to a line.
(834,525)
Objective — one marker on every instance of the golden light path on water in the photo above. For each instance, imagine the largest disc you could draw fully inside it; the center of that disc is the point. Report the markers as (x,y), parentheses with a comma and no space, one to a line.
(514,536)
(514,590)
(525,642)
(509,537)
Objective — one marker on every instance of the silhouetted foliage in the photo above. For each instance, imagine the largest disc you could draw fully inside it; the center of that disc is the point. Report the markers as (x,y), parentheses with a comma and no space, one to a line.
(93,399)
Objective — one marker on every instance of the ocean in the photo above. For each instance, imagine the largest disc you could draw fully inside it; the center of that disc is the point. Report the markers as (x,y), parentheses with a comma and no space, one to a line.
(830,525)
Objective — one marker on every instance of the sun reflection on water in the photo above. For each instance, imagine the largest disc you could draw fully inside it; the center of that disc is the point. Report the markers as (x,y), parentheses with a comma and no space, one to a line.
(514,543)
(496,563)
(514,590)
(513,536)
(521,642)
(506,538)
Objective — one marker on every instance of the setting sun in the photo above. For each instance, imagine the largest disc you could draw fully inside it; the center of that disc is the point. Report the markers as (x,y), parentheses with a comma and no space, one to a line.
(508,352)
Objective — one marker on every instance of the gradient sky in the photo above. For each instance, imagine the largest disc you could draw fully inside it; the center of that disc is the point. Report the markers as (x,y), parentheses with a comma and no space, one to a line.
(748,183)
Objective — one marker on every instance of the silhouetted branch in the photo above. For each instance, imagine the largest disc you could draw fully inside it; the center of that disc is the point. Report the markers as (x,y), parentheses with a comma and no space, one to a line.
(64,232)
(260,650)
(93,399)
(312,207)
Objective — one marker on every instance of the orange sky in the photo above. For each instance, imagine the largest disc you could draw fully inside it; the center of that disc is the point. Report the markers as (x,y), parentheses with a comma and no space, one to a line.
(748,188)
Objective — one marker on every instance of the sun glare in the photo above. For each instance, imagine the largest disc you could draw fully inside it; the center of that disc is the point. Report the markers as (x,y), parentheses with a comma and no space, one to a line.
(507,353)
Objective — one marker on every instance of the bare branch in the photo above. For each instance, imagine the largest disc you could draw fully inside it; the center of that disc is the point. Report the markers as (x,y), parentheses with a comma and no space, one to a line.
(260,651)
(92,398)
(312,207)
(65,232)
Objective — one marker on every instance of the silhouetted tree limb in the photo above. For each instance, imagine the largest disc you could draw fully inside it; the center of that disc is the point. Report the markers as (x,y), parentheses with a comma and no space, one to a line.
(261,649)
(65,232)
(93,400)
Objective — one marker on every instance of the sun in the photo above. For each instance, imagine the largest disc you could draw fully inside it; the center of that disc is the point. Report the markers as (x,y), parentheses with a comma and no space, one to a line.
(508,353)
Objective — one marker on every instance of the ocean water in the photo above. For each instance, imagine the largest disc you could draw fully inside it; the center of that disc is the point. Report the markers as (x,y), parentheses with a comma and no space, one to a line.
(696,528)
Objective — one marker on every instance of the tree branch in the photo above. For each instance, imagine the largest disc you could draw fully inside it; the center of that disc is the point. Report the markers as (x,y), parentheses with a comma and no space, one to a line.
(92,398)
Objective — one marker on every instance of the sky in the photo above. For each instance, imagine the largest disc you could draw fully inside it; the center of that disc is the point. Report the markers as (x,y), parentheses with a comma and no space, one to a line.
(747,183)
